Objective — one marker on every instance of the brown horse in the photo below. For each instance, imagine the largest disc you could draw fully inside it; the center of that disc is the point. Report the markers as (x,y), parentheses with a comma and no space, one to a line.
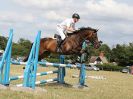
(71,45)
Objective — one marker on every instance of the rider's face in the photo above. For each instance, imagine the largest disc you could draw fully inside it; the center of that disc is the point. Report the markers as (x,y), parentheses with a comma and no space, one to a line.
(75,20)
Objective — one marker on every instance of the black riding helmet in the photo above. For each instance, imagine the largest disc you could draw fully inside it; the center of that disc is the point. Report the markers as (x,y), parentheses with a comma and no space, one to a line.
(75,15)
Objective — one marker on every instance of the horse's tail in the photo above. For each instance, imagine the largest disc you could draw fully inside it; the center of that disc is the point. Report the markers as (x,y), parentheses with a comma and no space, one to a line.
(40,55)
(26,58)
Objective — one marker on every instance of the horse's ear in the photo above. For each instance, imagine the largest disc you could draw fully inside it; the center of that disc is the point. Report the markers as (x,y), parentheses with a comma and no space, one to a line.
(97,30)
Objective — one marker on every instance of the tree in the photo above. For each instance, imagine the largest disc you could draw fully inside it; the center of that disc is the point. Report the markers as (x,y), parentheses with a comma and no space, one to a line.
(122,54)
(25,43)
(3,42)
(21,48)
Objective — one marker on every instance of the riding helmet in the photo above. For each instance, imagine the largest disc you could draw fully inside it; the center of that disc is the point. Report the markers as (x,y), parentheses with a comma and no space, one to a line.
(75,15)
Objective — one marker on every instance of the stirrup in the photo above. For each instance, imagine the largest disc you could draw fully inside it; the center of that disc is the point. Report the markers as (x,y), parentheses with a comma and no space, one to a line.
(59,50)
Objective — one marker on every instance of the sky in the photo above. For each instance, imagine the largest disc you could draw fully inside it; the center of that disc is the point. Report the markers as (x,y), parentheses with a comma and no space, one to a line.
(113,18)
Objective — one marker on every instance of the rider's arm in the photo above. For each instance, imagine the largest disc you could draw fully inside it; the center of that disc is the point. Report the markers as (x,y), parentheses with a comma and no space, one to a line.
(70,26)
(70,29)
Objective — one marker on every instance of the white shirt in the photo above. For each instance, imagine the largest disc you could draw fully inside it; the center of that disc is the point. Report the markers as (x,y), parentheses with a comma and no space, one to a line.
(67,23)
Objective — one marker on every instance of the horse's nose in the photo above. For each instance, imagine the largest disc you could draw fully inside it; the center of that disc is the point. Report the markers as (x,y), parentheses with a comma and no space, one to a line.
(97,45)
(100,42)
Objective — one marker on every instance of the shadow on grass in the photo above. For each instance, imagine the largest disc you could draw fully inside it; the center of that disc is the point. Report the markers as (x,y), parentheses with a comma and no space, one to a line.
(66,85)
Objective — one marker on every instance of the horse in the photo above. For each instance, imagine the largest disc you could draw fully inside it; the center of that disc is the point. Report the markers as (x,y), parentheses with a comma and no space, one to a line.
(71,45)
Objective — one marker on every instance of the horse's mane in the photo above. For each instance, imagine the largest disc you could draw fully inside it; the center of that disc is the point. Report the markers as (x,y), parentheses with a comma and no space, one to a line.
(84,28)
(87,28)
(77,32)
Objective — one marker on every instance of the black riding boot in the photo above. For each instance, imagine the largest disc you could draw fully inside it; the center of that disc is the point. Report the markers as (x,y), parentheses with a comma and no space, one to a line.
(59,41)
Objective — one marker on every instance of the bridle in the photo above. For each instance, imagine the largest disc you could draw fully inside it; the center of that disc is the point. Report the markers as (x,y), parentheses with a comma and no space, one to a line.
(92,40)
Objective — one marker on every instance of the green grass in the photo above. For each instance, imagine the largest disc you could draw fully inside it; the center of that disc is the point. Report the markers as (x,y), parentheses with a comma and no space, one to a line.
(116,86)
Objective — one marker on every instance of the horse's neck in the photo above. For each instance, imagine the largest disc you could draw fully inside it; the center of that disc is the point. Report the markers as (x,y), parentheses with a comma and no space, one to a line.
(80,37)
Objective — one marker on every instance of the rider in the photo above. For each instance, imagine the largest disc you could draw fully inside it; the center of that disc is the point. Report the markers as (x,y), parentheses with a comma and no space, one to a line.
(67,26)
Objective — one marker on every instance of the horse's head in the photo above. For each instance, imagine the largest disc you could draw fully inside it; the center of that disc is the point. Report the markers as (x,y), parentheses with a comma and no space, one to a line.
(91,35)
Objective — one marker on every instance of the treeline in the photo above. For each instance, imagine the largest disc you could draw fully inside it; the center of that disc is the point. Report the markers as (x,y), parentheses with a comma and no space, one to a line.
(21,48)
(121,54)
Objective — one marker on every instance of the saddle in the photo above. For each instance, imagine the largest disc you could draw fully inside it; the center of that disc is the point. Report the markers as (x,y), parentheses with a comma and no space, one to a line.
(57,36)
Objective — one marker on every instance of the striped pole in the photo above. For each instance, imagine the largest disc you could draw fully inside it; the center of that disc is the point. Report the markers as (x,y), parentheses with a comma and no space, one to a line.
(46,81)
(16,77)
(50,64)
(18,63)
(59,65)
(41,82)
(38,74)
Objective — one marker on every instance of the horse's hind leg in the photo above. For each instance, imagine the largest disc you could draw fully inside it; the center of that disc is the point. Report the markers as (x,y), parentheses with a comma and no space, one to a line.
(41,56)
(44,54)
(25,59)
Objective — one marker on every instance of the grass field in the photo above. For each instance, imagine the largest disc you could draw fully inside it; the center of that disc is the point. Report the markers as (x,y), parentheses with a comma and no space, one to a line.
(116,86)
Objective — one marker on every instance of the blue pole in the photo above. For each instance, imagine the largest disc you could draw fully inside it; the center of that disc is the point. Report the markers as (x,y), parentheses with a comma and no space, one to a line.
(82,75)
(5,62)
(7,67)
(62,71)
(82,58)
(31,66)
(36,59)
